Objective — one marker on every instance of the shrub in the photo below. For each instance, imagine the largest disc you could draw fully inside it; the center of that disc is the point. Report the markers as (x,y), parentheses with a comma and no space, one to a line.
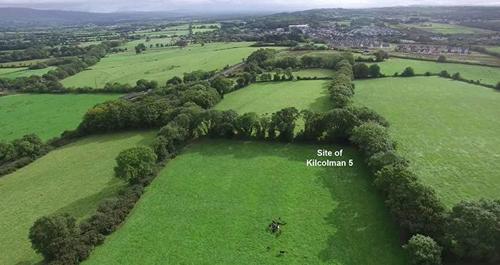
(444,73)
(283,121)
(423,250)
(374,70)
(441,59)
(372,138)
(56,238)
(473,230)
(360,71)
(365,114)
(339,124)
(135,163)
(415,206)
(408,71)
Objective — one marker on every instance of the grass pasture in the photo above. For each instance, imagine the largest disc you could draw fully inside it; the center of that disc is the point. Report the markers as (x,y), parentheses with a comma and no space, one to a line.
(447,29)
(318,72)
(448,129)
(43,114)
(485,74)
(268,97)
(72,179)
(212,204)
(12,73)
(160,64)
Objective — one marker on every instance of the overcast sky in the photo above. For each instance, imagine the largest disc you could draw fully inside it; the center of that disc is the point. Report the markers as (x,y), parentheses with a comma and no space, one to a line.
(270,5)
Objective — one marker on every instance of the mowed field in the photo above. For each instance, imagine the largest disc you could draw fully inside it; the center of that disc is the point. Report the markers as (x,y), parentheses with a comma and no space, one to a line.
(213,203)
(12,73)
(448,129)
(485,74)
(160,64)
(45,115)
(269,97)
(72,179)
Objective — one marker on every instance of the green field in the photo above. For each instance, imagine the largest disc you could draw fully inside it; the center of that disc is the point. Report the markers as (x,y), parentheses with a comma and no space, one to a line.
(493,48)
(72,179)
(46,115)
(314,73)
(485,74)
(11,73)
(160,64)
(448,129)
(442,28)
(212,204)
(269,97)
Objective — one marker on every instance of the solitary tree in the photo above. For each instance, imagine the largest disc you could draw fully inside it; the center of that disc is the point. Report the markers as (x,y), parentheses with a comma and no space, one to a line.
(381,55)
(441,59)
(423,250)
(140,48)
(135,163)
(408,72)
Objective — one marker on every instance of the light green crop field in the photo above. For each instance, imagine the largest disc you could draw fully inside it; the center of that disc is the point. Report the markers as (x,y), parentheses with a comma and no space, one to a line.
(493,48)
(72,179)
(213,203)
(160,64)
(443,28)
(11,73)
(447,129)
(269,97)
(45,115)
(314,73)
(485,74)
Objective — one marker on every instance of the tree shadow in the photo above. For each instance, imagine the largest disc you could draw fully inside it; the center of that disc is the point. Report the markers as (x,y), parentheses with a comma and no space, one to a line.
(27,262)
(87,205)
(364,231)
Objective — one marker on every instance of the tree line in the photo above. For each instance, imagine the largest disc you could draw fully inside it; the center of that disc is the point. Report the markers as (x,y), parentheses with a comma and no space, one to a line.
(469,231)
(49,82)
(20,152)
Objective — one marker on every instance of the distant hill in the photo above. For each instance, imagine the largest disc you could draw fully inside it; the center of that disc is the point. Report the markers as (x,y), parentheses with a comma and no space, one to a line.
(14,17)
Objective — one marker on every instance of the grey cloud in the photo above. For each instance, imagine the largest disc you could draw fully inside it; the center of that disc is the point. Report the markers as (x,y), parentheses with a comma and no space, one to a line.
(213,5)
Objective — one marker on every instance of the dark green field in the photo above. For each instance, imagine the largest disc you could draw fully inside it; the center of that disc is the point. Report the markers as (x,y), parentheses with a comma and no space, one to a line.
(212,204)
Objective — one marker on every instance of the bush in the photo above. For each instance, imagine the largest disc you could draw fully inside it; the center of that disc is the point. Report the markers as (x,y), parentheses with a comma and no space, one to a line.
(57,239)
(444,74)
(360,71)
(415,207)
(135,163)
(473,230)
(374,71)
(423,250)
(441,59)
(408,71)
(372,138)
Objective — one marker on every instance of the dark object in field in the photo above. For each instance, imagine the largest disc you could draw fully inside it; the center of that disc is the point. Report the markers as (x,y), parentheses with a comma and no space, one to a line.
(281,253)
(275,226)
